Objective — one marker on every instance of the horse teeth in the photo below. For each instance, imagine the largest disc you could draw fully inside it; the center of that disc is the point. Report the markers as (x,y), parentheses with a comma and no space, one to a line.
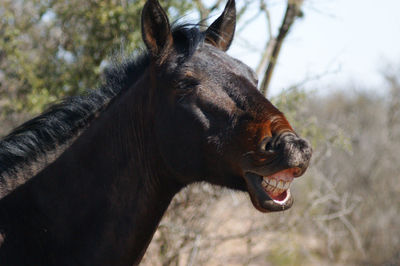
(276,186)
(286,186)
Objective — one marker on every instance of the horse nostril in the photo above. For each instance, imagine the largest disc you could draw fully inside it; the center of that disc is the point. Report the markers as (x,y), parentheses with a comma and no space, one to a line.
(266,145)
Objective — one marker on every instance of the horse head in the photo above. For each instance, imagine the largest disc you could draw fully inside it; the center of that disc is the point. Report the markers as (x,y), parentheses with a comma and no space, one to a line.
(211,122)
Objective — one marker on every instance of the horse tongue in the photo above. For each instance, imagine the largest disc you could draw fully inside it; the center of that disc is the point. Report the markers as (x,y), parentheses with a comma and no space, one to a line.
(278,196)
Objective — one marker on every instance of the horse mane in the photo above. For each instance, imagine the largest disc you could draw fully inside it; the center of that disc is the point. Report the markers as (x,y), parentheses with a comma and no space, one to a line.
(65,120)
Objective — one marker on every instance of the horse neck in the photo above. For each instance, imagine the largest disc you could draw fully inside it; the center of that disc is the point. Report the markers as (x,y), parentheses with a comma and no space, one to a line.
(111,184)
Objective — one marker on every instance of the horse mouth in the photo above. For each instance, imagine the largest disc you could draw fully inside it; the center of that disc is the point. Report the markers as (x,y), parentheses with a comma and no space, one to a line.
(271,193)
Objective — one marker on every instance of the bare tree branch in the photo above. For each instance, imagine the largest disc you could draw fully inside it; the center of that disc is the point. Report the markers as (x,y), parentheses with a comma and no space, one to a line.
(248,21)
(274,46)
(268,48)
(243,9)
(204,11)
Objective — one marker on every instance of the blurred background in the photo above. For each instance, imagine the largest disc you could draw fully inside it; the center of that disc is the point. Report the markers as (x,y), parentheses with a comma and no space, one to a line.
(332,66)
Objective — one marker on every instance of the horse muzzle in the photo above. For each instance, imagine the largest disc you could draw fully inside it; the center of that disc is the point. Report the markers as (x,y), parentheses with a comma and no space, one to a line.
(269,172)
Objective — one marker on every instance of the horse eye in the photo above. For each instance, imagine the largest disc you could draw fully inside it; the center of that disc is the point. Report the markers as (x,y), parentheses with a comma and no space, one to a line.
(187,84)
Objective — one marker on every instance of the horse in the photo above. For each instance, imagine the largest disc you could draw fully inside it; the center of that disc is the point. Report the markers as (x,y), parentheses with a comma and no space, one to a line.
(88,181)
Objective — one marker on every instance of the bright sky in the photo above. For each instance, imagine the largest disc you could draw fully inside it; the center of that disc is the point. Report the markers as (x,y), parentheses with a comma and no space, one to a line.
(344,41)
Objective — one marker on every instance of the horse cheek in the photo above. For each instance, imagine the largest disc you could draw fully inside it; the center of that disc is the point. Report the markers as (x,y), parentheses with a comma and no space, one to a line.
(180,146)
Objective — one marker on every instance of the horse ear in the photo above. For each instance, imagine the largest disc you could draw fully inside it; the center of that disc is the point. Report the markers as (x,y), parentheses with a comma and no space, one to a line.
(156,30)
(221,32)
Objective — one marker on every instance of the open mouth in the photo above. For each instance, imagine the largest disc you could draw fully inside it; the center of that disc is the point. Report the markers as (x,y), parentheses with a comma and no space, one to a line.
(271,193)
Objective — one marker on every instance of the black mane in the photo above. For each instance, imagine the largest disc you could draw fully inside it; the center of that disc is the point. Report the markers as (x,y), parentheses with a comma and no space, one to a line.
(64,120)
